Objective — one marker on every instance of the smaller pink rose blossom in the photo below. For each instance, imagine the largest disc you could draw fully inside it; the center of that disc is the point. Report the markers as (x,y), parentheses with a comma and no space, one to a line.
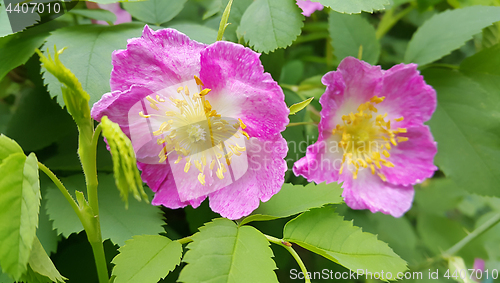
(372,137)
(122,16)
(309,7)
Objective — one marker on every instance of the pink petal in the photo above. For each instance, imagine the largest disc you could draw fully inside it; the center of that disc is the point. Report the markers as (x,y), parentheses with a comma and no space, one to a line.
(264,178)
(239,84)
(370,192)
(156,60)
(322,162)
(407,94)
(122,16)
(159,178)
(309,7)
(413,159)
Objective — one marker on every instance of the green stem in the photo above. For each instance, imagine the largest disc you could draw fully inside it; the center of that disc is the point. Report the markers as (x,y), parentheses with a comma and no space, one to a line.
(462,243)
(100,260)
(440,65)
(476,233)
(60,186)
(300,124)
(288,247)
(87,151)
(389,20)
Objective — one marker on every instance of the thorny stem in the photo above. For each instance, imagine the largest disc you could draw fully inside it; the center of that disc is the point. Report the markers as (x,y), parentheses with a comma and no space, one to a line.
(288,247)
(462,243)
(473,235)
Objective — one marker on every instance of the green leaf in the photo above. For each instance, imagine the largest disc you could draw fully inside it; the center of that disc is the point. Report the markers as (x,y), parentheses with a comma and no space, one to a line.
(40,263)
(299,106)
(40,116)
(96,14)
(117,223)
(89,55)
(294,199)
(8,147)
(324,232)
(19,206)
(447,31)
(268,30)
(16,49)
(438,195)
(4,278)
(127,177)
(354,6)
(197,32)
(468,150)
(491,35)
(224,252)
(146,259)
(349,33)
(223,21)
(155,11)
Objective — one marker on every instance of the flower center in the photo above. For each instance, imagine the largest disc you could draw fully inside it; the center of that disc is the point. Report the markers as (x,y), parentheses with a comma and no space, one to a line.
(189,127)
(367,138)
(196,133)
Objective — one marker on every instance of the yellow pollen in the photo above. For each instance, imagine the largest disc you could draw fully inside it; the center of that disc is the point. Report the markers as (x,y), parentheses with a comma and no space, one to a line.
(179,158)
(245,134)
(386,153)
(382,176)
(154,106)
(198,165)
(198,81)
(205,91)
(189,124)
(187,166)
(201,178)
(144,116)
(377,99)
(219,173)
(402,139)
(243,126)
(366,138)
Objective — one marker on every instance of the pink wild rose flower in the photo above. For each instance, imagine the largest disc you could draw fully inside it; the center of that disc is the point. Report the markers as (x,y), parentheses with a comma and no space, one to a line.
(204,121)
(372,137)
(309,7)
(122,16)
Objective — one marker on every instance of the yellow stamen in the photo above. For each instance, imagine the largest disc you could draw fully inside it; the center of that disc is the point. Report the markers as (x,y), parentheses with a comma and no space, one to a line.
(144,116)
(198,81)
(201,178)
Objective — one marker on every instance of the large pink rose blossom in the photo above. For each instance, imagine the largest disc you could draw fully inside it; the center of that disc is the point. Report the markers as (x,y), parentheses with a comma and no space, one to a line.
(204,120)
(309,7)
(372,137)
